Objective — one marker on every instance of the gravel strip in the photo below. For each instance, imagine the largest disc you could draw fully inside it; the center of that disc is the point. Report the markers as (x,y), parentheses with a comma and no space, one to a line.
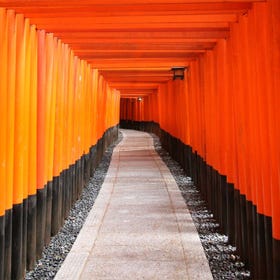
(55,253)
(223,260)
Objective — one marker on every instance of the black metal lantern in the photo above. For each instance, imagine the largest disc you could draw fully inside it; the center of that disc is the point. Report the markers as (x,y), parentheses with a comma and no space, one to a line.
(178,73)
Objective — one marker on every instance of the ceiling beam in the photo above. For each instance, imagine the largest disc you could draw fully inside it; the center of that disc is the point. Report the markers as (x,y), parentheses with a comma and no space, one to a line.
(139,63)
(74,3)
(93,9)
(123,47)
(188,33)
(133,21)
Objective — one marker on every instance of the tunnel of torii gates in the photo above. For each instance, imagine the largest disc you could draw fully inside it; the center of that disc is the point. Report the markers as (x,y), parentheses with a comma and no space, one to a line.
(72,72)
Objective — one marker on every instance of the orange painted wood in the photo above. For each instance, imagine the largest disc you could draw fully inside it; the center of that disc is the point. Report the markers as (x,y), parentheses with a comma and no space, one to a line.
(191,33)
(50,106)
(10,134)
(54,3)
(3,108)
(139,62)
(90,26)
(20,143)
(97,9)
(122,21)
(33,113)
(41,125)
(58,87)
(69,115)
(231,56)
(95,76)
(66,114)
(274,11)
(26,105)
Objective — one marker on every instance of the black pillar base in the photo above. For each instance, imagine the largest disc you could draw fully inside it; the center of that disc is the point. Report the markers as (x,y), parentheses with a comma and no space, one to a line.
(250,235)
(48,212)
(24,234)
(243,227)
(261,252)
(276,259)
(31,232)
(230,229)
(41,220)
(268,246)
(17,246)
(2,246)
(8,244)
(56,206)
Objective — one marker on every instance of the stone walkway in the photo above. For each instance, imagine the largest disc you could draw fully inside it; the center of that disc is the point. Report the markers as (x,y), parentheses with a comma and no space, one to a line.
(139,226)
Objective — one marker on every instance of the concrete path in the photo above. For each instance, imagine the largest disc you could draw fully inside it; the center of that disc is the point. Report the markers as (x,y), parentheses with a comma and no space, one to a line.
(139,226)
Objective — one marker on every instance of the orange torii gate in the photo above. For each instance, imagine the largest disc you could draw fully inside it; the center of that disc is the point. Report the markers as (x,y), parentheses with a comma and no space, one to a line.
(70,69)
